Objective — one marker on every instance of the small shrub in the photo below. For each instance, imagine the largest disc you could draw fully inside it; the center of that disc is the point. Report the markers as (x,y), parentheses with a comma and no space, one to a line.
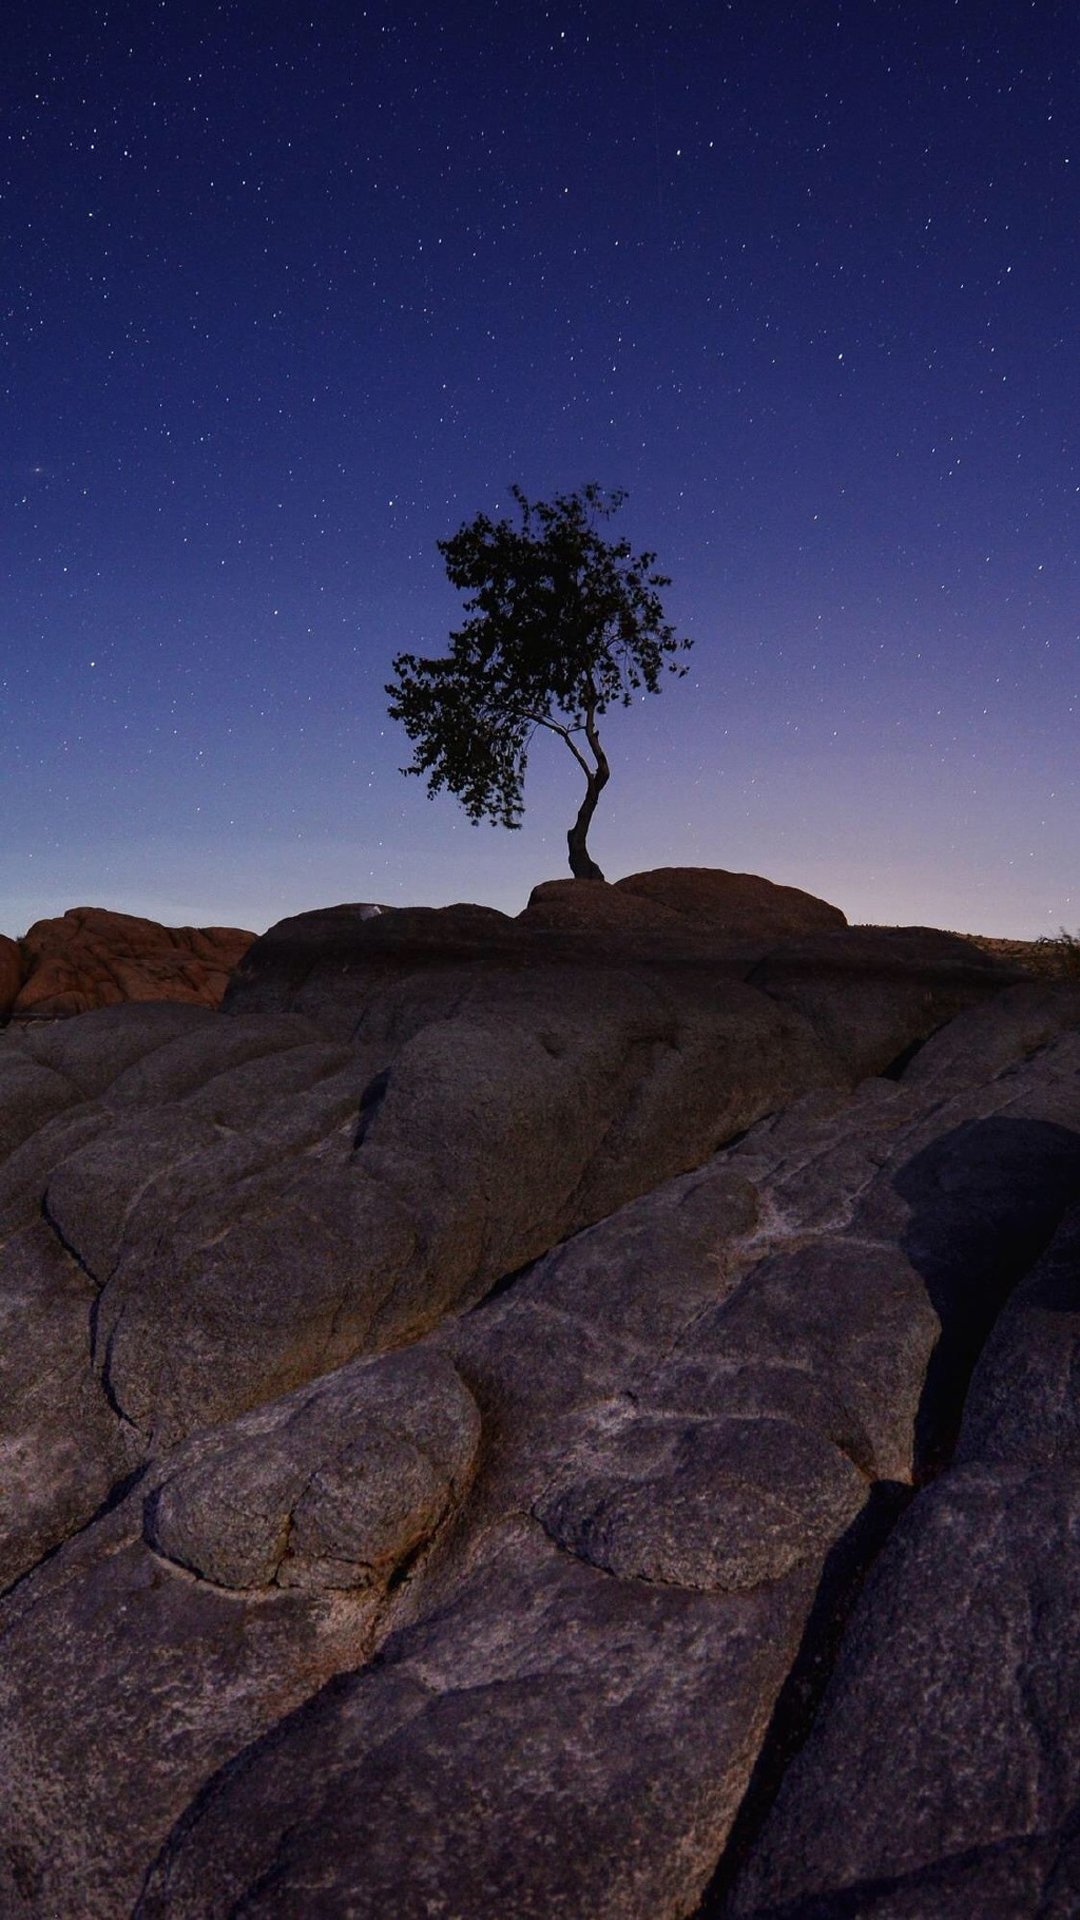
(1063,950)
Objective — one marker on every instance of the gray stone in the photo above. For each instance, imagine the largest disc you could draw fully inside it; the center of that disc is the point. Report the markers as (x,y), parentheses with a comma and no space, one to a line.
(1023,1407)
(556,1742)
(872,993)
(951,1730)
(508,1457)
(337,1485)
(942,1775)
(62,1448)
(717,1504)
(139,1658)
(993,1037)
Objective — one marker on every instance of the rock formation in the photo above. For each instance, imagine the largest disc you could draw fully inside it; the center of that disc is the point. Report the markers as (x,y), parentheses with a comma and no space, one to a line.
(93,958)
(568,1416)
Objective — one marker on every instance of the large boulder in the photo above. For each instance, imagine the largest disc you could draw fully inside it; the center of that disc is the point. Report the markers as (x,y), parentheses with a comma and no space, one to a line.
(453,1400)
(695,1419)
(738,905)
(94,958)
(686,901)
(574,1558)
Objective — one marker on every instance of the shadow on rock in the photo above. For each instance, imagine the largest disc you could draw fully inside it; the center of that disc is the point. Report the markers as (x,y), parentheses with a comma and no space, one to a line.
(845,1569)
(985,1202)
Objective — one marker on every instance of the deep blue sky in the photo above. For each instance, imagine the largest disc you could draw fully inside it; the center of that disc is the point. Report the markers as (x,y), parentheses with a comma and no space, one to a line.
(290,292)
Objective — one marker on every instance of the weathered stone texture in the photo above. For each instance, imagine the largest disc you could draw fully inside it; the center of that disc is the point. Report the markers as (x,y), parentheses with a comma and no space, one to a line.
(448,1399)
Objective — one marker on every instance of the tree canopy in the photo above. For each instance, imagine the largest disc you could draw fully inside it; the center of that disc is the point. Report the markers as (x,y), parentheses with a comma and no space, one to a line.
(562,624)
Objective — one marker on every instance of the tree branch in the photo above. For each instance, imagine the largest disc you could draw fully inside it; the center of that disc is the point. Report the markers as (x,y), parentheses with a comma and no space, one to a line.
(554,727)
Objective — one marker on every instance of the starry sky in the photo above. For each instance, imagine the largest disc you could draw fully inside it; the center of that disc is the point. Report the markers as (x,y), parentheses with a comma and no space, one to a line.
(289,292)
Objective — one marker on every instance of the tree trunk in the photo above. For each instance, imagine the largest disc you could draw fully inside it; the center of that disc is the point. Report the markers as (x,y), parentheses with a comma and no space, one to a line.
(582,864)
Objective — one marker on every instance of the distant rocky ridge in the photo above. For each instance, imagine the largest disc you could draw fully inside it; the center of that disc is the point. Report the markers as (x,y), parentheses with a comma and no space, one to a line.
(557,1416)
(93,958)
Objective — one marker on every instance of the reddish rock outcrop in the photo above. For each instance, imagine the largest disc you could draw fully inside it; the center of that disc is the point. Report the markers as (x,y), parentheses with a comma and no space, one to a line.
(11,974)
(93,958)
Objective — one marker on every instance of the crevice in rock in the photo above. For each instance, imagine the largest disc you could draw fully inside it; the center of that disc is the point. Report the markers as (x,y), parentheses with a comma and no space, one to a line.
(94,1316)
(117,1493)
(897,1067)
(505,1282)
(986,1202)
(407,1566)
(69,1248)
(105,1371)
(370,1102)
(931,1883)
(843,1576)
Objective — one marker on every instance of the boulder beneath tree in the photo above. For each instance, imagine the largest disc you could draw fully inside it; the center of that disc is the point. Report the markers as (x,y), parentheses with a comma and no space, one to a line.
(741,906)
(592,906)
(682,901)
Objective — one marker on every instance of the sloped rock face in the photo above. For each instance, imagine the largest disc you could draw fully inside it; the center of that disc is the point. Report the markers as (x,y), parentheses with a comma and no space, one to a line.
(94,958)
(943,1773)
(250,1222)
(458,1397)
(871,993)
(692,1404)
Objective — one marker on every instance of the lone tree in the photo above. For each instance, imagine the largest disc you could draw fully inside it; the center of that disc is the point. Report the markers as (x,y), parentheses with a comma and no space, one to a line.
(562,625)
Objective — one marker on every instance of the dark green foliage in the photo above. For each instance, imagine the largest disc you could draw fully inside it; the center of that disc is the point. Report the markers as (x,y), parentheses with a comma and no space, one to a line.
(562,624)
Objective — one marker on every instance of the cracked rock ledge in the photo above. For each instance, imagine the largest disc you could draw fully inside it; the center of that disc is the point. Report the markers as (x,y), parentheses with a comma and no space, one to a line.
(510,1418)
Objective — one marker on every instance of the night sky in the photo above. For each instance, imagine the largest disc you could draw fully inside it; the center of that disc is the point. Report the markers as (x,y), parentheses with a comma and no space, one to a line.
(290,292)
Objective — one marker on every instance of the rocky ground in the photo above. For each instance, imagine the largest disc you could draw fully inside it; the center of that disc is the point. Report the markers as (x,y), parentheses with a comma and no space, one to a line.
(566,1416)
